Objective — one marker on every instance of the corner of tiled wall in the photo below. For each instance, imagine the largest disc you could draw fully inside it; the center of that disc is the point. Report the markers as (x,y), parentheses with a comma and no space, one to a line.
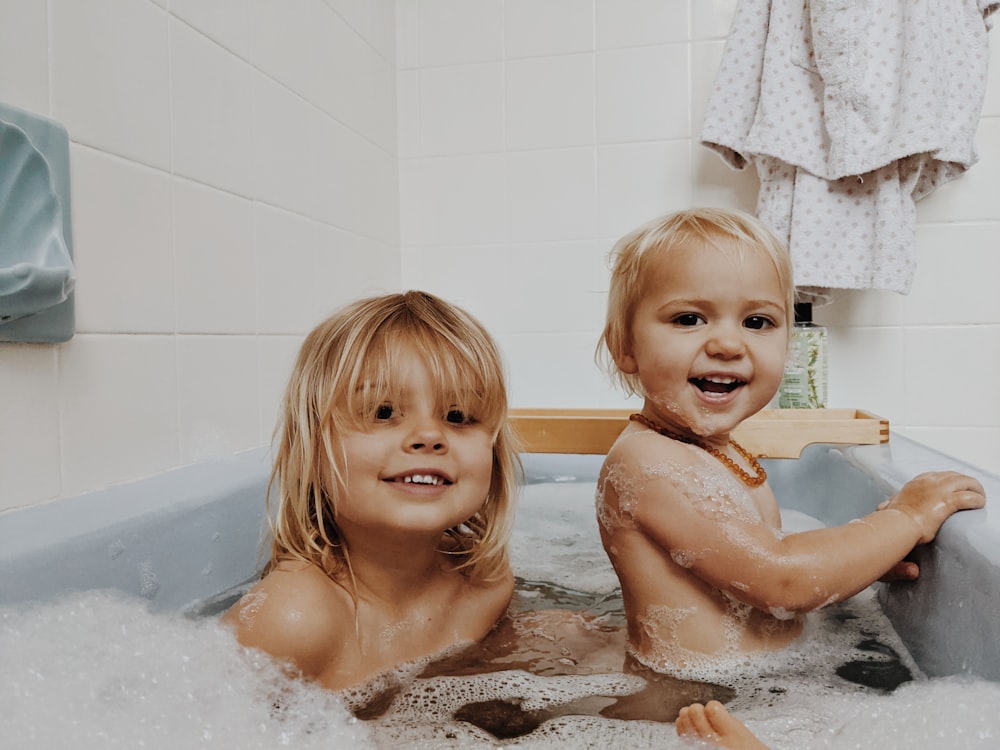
(234,179)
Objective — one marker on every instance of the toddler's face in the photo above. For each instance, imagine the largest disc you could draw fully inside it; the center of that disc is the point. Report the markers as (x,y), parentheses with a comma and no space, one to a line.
(417,468)
(709,338)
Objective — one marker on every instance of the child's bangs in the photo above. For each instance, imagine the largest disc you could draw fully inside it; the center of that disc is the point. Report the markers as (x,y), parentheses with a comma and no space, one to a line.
(456,370)
(373,381)
(466,378)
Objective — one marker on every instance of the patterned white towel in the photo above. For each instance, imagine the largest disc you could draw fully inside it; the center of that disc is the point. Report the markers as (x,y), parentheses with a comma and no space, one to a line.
(851,110)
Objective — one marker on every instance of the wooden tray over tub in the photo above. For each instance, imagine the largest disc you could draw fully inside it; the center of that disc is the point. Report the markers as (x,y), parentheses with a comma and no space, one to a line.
(772,433)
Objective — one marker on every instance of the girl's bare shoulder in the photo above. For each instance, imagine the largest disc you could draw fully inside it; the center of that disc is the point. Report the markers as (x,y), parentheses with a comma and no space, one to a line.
(295,613)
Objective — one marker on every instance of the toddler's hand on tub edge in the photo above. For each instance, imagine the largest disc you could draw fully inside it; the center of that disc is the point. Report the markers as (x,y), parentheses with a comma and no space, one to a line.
(930,498)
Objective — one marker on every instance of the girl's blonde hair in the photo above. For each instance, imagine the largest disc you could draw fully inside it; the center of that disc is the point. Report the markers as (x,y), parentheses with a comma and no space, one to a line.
(346,368)
(633,255)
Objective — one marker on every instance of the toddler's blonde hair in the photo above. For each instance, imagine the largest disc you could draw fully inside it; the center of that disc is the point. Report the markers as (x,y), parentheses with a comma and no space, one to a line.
(347,366)
(633,255)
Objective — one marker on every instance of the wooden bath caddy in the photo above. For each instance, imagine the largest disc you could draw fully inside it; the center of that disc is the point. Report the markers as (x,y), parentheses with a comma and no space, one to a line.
(772,433)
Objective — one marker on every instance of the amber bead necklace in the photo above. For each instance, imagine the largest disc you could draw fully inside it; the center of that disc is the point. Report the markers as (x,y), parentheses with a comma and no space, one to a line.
(756,480)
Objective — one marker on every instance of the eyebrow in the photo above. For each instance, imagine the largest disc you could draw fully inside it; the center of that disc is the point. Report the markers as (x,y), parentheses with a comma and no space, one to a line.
(712,303)
(767,303)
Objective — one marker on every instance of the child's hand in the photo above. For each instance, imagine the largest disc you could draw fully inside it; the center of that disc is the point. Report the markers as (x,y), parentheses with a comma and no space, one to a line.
(930,498)
(904,570)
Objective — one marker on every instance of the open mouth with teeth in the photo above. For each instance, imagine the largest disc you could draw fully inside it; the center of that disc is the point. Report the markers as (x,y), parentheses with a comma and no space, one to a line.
(430,480)
(715,384)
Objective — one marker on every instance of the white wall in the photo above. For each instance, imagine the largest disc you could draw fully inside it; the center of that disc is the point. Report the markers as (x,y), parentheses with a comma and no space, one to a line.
(533,133)
(219,147)
(234,177)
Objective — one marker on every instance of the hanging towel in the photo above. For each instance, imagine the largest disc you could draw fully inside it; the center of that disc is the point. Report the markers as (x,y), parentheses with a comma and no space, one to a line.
(851,110)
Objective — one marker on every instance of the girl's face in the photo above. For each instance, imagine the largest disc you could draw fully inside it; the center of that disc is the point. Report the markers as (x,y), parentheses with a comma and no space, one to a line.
(418,468)
(709,339)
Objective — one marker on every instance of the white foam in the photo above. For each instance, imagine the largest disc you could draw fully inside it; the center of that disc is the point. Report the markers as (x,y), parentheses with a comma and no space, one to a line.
(556,538)
(97,670)
(953,713)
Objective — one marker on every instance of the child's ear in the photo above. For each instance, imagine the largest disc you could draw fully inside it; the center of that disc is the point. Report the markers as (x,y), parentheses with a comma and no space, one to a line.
(627,364)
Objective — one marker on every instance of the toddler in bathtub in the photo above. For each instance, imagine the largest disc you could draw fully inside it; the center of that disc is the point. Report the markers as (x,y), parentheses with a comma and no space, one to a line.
(698,322)
(395,475)
(395,472)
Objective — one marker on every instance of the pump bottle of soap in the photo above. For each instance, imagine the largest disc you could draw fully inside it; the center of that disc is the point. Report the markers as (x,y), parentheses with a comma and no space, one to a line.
(803,385)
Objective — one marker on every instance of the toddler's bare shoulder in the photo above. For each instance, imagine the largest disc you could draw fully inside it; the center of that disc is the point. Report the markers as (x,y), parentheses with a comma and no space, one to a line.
(295,613)
(649,456)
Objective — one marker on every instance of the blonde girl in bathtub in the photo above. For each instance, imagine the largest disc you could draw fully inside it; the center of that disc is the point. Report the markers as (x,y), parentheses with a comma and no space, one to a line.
(395,475)
(698,321)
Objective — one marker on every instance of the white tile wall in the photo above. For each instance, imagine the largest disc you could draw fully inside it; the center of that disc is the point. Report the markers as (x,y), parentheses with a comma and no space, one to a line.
(29,426)
(590,151)
(373,22)
(547,27)
(636,181)
(550,102)
(118,409)
(234,178)
(23,56)
(226,22)
(293,271)
(109,64)
(242,167)
(461,109)
(217,396)
(950,361)
(552,194)
(965,253)
(122,240)
(452,32)
(211,124)
(633,100)
(215,267)
(636,23)
(454,200)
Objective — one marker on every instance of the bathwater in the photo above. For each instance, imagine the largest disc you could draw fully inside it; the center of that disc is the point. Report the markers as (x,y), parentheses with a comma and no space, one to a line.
(99,670)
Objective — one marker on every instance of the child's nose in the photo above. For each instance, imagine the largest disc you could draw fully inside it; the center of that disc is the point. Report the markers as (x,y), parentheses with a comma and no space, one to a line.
(427,435)
(726,341)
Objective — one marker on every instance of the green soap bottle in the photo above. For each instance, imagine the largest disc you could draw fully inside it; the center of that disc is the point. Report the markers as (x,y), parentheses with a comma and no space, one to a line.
(803,385)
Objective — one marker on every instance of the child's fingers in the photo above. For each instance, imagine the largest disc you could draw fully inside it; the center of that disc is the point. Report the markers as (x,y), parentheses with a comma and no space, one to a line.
(969,489)
(904,570)
(931,497)
(973,498)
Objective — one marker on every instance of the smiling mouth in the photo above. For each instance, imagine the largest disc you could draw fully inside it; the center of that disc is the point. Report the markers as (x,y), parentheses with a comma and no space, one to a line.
(428,480)
(717,384)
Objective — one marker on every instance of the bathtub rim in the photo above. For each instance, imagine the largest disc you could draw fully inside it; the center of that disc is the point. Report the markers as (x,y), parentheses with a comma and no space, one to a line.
(112,538)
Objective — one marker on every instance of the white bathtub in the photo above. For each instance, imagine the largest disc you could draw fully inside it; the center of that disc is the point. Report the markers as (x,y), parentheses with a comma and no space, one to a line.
(180,538)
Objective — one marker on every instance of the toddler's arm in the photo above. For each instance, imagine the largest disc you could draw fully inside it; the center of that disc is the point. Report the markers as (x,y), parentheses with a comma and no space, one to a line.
(746,556)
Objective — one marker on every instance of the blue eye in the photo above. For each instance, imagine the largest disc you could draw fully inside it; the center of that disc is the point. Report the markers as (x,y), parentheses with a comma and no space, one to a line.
(383,412)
